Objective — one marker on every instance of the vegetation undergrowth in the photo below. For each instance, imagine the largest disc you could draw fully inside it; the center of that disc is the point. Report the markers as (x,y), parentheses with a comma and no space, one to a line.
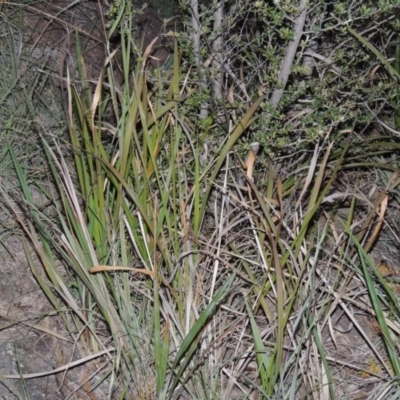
(187,302)
(192,275)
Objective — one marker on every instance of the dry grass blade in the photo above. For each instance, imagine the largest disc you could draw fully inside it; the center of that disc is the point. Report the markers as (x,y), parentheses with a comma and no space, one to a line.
(63,368)
(103,268)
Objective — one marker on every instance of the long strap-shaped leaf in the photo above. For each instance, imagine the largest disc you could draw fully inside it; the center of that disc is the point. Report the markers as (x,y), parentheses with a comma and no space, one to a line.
(189,344)
(373,294)
(243,124)
(392,71)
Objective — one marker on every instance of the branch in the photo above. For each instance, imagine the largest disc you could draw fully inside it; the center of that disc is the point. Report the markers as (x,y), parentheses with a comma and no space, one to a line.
(287,61)
(196,35)
(218,51)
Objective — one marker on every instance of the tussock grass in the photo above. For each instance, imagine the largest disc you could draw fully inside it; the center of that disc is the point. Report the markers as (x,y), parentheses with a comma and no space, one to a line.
(186,282)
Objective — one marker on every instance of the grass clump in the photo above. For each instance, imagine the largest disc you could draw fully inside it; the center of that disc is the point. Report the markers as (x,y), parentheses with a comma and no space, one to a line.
(186,276)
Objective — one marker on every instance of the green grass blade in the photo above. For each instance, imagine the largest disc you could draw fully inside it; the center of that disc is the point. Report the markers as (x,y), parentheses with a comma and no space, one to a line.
(188,345)
(387,336)
(265,363)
